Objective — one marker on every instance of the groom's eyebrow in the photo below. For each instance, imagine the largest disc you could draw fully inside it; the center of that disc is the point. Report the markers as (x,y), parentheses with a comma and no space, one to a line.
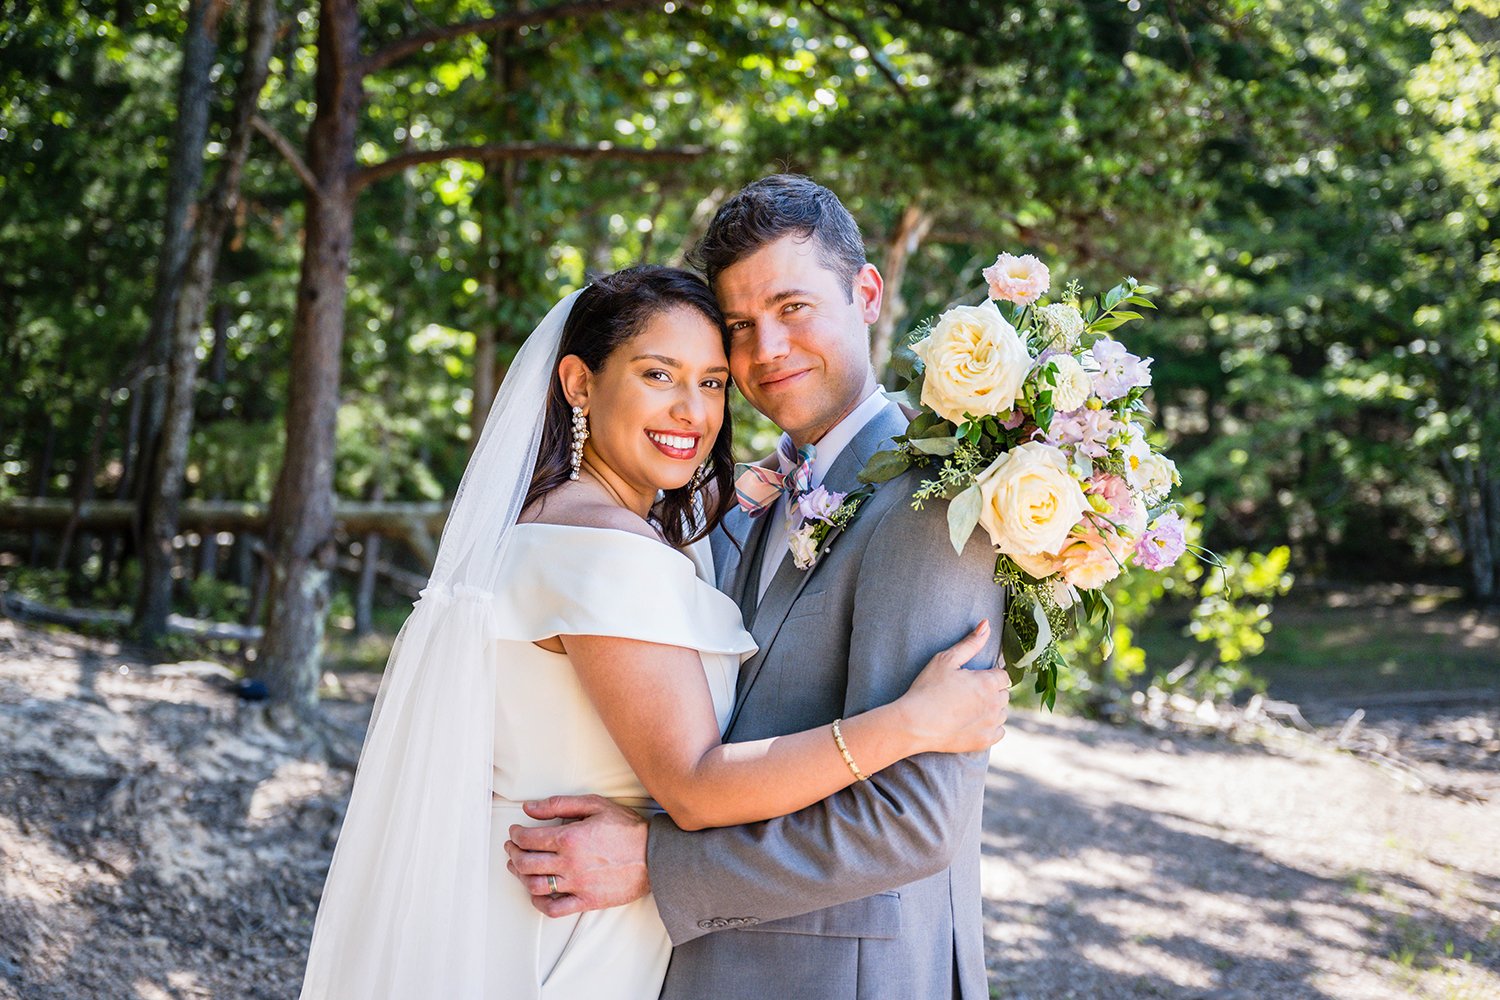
(790,293)
(671,361)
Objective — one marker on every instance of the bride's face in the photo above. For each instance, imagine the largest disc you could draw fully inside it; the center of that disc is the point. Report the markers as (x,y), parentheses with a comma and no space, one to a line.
(656,404)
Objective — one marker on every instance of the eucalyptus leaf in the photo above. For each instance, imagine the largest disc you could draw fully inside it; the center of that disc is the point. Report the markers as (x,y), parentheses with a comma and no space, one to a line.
(935,445)
(884,465)
(904,362)
(924,423)
(963,515)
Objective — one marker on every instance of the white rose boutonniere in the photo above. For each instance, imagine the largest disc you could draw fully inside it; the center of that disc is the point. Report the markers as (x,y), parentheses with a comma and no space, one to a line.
(817,515)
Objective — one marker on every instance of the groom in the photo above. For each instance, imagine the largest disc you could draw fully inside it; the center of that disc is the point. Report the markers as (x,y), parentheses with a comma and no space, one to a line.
(873,892)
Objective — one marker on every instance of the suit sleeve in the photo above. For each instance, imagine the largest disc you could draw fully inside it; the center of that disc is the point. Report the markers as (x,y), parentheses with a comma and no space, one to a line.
(914,597)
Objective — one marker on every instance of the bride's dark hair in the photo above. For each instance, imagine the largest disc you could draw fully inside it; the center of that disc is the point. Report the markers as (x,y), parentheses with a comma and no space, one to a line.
(606,314)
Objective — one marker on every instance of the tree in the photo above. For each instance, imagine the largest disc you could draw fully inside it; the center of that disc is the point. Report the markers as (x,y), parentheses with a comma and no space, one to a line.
(301,526)
(195,283)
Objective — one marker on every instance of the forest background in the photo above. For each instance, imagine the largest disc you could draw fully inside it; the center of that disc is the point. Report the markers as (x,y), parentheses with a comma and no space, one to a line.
(264,264)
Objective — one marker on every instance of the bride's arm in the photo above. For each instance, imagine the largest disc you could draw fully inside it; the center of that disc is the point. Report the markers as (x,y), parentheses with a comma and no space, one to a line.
(655,702)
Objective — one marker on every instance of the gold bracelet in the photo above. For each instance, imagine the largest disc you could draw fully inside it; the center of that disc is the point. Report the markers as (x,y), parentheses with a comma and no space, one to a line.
(838,738)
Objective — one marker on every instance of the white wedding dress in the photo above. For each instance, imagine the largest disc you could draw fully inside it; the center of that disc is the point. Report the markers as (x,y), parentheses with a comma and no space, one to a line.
(472,718)
(566,580)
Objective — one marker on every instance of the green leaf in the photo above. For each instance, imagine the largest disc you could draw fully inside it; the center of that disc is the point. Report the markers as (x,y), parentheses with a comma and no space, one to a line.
(911,395)
(924,423)
(1013,649)
(935,445)
(904,362)
(884,465)
(963,515)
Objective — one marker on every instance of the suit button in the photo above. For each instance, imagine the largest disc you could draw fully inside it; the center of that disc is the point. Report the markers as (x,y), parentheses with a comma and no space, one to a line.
(705,925)
(751,921)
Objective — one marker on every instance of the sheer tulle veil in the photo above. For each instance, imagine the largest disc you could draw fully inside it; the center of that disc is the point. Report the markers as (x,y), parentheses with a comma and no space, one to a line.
(404,912)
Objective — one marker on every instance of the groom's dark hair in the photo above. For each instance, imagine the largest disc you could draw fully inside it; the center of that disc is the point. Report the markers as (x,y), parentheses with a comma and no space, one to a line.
(780,205)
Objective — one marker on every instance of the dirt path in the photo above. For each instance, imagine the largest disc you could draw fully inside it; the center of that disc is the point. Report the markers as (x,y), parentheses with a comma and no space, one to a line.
(157,842)
(1119,864)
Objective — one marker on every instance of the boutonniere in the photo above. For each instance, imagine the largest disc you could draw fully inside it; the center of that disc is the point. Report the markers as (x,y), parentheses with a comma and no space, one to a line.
(820,514)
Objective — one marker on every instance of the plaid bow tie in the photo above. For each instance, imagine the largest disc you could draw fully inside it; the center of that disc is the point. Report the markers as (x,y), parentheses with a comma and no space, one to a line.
(756,487)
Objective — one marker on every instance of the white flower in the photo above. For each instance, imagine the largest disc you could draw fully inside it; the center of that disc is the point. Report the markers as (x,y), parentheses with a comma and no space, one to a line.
(976,363)
(1135,452)
(1157,475)
(804,548)
(1073,384)
(1062,323)
(1063,592)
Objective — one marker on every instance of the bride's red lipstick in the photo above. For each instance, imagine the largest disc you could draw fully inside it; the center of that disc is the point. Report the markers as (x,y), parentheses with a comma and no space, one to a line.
(672,451)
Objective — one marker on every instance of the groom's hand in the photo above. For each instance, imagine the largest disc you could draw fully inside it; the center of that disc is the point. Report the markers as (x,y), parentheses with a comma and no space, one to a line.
(598,860)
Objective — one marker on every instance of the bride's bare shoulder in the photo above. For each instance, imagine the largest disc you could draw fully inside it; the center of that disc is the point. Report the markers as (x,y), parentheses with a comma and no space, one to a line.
(580,510)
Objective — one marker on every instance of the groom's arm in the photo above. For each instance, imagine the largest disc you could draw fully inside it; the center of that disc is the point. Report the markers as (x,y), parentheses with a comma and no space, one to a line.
(914,596)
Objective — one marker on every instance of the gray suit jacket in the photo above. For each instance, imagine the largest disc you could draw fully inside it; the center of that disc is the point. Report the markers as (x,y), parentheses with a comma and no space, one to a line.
(873,892)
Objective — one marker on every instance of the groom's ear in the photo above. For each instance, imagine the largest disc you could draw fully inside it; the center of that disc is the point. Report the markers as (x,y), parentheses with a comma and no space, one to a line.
(575,377)
(869,289)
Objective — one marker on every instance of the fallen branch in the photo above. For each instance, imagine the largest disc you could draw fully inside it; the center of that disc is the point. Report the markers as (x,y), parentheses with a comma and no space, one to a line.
(24,609)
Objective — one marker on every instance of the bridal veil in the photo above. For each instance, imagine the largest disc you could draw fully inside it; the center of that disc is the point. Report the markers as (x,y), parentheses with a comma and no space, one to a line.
(404,909)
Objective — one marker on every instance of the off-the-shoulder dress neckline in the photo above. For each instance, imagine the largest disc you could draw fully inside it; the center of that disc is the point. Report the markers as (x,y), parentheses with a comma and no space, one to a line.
(657,542)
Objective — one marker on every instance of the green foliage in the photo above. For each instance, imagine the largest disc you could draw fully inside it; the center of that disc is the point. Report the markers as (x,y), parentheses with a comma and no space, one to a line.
(1312,184)
(1223,602)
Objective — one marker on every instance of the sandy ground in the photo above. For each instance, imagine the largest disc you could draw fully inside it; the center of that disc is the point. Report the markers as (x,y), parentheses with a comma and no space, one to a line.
(158,841)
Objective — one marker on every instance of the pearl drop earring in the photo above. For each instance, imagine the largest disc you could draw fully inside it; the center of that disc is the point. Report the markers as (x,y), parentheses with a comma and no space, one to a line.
(580,435)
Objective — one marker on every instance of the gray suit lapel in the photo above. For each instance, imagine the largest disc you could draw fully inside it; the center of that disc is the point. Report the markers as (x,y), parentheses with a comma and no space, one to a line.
(728,559)
(787,584)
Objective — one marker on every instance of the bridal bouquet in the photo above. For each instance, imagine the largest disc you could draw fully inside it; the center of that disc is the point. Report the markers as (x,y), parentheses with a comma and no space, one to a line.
(1032,425)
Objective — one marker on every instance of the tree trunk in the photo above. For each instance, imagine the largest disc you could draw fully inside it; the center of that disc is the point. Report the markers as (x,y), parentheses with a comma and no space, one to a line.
(164,497)
(301,541)
(185,174)
(910,231)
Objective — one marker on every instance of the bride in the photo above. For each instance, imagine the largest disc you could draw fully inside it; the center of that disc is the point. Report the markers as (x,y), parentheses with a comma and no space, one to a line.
(571,641)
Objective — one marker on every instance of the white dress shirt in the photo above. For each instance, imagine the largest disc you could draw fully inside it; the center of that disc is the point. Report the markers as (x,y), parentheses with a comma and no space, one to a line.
(827,450)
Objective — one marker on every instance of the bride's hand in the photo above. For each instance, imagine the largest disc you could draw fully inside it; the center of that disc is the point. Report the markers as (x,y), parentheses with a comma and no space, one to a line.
(953,710)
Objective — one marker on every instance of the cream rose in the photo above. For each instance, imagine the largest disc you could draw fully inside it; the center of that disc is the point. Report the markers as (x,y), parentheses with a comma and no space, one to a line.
(975,362)
(1030,503)
(1073,385)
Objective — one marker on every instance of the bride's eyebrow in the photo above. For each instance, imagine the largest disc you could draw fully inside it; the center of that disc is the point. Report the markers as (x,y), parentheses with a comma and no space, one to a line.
(671,362)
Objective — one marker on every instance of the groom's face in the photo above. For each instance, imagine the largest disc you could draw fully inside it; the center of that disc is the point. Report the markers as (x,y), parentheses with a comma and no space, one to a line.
(799,347)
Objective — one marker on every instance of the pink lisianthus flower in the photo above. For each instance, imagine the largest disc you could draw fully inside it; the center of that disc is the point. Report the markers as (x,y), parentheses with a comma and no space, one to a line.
(1119,370)
(819,504)
(1021,280)
(1126,512)
(1163,544)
